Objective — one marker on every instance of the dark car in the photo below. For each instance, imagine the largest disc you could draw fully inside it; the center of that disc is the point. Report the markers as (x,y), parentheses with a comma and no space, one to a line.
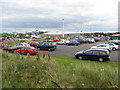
(76,43)
(50,46)
(80,40)
(93,54)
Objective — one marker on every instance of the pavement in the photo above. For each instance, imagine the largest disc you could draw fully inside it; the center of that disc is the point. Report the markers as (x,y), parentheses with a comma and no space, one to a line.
(63,50)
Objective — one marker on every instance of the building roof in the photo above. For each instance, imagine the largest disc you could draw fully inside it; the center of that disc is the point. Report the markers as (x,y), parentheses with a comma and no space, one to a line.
(65,32)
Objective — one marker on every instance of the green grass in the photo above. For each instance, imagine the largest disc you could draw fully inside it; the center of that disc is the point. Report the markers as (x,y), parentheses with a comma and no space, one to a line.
(22,71)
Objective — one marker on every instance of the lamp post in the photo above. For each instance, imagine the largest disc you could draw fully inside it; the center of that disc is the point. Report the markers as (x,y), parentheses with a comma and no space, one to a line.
(63,27)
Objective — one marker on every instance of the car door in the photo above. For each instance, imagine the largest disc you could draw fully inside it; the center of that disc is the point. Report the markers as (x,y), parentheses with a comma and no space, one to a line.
(42,46)
(88,55)
(95,55)
(24,50)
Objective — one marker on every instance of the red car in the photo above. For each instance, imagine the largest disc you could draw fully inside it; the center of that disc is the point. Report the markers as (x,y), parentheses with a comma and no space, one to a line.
(52,40)
(56,40)
(48,41)
(27,50)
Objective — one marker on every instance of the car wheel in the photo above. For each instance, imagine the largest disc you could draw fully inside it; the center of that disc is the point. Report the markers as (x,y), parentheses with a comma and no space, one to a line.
(101,59)
(49,49)
(15,51)
(80,57)
(38,48)
(28,54)
(113,48)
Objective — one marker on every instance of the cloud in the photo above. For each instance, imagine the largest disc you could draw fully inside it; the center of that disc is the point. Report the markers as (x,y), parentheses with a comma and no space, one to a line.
(48,14)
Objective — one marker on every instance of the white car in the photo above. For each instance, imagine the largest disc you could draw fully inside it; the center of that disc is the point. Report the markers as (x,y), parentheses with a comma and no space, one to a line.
(102,46)
(60,42)
(92,40)
(113,46)
(20,45)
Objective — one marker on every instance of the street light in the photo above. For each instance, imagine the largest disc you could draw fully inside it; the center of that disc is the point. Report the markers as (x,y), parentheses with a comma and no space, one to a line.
(63,28)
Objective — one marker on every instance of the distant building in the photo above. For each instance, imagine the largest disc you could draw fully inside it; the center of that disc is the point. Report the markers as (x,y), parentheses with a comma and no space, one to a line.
(66,33)
(115,37)
(36,32)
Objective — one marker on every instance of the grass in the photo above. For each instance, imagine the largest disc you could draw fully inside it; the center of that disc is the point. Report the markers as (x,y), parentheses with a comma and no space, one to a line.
(43,71)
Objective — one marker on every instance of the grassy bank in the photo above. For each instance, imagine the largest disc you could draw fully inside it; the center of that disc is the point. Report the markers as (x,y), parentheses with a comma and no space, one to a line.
(43,71)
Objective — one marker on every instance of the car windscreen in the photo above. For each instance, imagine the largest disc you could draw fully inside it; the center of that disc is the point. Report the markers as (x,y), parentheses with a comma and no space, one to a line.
(32,48)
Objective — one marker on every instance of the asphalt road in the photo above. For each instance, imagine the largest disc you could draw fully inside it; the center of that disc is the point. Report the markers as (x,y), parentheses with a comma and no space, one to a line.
(63,50)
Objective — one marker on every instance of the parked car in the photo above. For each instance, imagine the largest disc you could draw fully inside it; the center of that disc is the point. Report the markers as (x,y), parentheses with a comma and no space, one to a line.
(33,43)
(80,40)
(60,42)
(113,46)
(89,40)
(27,50)
(93,54)
(102,46)
(96,39)
(117,42)
(50,46)
(56,40)
(76,43)
(2,45)
(17,46)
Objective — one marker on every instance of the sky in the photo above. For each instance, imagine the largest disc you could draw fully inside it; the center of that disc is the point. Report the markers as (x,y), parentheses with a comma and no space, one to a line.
(78,15)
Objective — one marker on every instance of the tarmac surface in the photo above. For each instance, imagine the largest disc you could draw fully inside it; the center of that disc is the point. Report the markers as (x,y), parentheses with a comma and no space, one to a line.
(63,50)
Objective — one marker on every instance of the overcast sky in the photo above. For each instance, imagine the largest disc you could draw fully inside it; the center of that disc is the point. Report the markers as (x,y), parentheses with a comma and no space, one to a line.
(26,15)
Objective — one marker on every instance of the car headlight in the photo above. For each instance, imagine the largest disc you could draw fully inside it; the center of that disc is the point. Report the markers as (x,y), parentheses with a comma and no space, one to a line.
(76,53)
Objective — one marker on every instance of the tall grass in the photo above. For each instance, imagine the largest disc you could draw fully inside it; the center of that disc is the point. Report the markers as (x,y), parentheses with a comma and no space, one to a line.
(43,71)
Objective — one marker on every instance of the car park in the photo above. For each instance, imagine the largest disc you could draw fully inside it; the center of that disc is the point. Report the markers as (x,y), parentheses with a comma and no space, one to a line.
(76,43)
(93,54)
(27,50)
(102,46)
(50,46)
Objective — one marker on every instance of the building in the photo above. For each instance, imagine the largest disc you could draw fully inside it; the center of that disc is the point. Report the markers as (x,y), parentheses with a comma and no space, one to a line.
(115,37)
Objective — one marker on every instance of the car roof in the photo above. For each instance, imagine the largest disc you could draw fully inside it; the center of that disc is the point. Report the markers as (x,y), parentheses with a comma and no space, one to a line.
(98,49)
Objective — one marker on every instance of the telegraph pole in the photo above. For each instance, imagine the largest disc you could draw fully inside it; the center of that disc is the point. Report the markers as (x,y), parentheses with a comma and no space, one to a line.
(63,27)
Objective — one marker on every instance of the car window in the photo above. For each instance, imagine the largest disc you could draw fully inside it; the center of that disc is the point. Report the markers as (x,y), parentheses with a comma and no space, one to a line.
(103,53)
(96,52)
(111,44)
(104,45)
(24,48)
(88,52)
(32,48)
(99,46)
(17,44)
